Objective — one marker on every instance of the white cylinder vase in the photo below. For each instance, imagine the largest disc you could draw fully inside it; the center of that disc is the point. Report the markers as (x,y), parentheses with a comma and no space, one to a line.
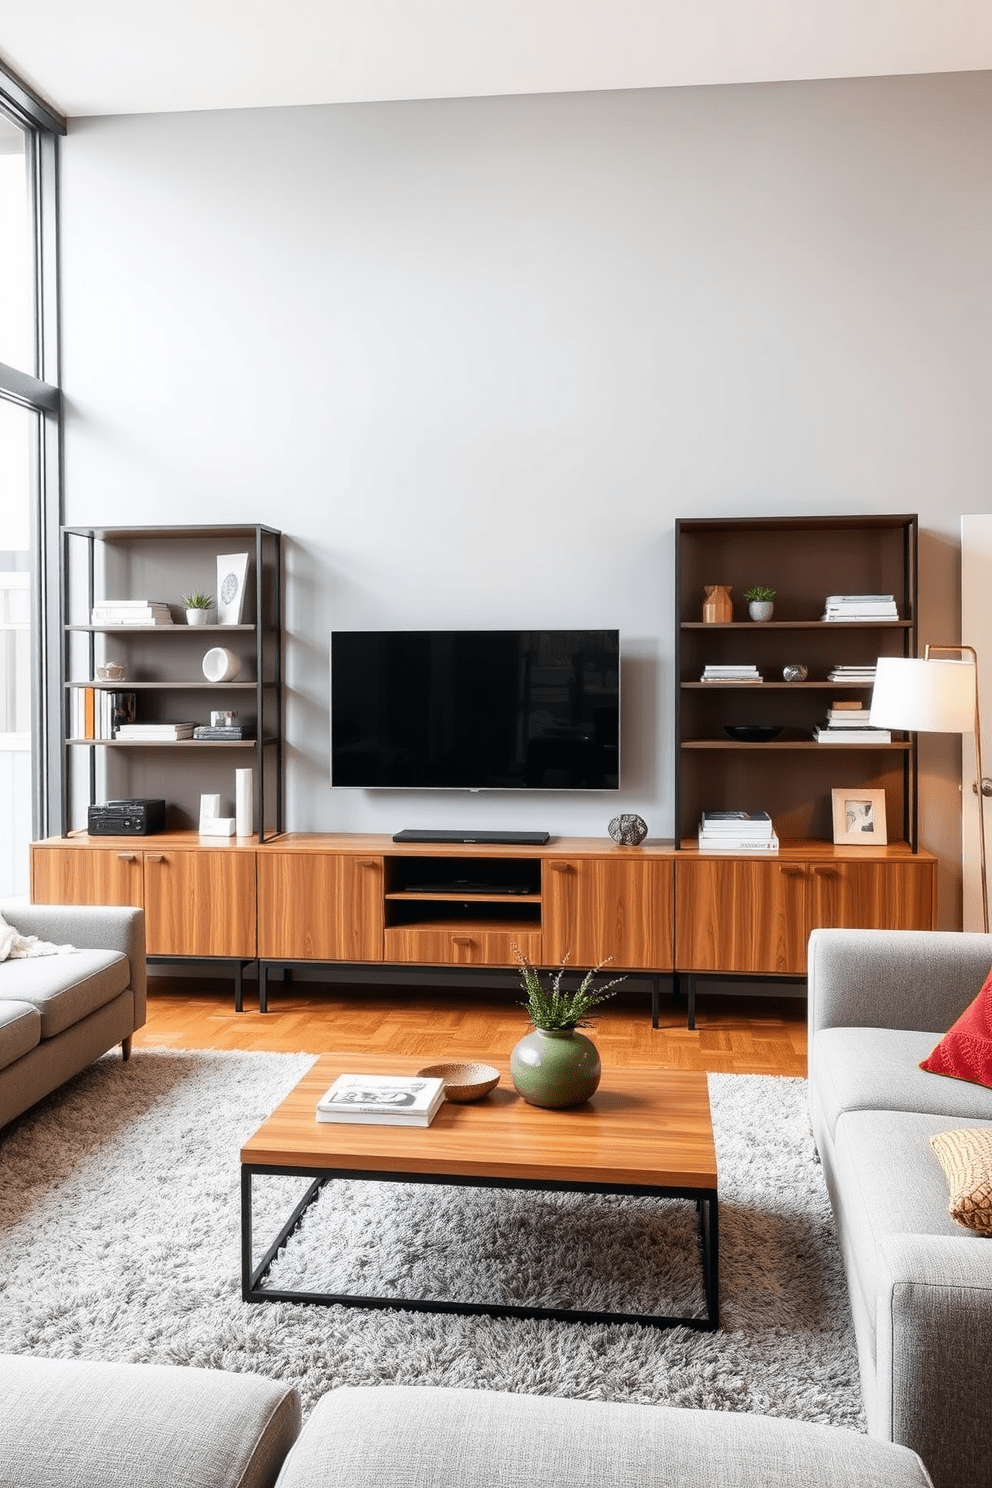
(244,804)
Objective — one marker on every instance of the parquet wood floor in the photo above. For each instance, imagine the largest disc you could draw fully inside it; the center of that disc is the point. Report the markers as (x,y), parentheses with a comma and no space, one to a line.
(735,1035)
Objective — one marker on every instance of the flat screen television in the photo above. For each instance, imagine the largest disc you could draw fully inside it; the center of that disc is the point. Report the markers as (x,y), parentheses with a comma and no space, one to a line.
(476,709)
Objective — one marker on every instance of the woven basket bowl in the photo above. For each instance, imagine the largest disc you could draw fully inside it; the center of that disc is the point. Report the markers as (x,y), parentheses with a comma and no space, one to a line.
(464,1082)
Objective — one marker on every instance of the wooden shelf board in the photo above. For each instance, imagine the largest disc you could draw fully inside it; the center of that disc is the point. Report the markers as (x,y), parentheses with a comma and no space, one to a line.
(784,744)
(170,743)
(781,686)
(202,631)
(797,624)
(126,686)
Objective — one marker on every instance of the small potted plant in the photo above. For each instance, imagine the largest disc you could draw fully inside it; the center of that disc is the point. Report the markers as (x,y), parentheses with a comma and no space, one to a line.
(198,607)
(759,602)
(556,1066)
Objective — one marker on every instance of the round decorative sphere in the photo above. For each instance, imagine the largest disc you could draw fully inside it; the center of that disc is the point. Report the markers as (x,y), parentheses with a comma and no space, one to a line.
(795,672)
(628,830)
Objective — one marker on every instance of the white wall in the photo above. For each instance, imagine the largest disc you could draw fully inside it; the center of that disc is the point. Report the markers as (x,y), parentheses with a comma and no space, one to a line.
(474,357)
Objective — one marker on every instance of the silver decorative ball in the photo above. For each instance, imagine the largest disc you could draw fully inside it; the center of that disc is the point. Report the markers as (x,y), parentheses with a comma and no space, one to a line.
(795,672)
(628,830)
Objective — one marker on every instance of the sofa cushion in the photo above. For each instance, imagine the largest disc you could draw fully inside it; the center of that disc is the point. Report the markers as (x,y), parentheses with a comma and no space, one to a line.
(81,1424)
(888,1181)
(878,1069)
(20,1030)
(965,1051)
(65,988)
(371,1437)
(966,1158)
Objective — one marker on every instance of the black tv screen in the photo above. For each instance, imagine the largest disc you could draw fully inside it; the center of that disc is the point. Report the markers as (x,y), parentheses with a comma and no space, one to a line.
(476,709)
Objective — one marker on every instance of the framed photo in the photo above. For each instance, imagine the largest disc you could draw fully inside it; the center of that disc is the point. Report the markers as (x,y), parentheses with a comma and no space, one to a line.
(859,817)
(232,572)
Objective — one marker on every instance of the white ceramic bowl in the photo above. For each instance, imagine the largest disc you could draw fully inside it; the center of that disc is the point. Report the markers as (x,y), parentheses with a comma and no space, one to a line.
(221,665)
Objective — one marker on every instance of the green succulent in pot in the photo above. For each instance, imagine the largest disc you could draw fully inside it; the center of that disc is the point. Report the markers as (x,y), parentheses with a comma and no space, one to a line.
(759,594)
(198,601)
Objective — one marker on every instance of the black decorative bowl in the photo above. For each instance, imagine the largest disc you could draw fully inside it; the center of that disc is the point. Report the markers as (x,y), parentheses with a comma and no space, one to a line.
(752,733)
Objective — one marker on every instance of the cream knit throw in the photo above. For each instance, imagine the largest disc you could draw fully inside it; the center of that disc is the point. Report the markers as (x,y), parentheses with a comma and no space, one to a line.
(14,945)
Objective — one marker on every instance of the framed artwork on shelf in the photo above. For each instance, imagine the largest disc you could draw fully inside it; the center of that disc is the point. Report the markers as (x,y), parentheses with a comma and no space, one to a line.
(232,571)
(859,817)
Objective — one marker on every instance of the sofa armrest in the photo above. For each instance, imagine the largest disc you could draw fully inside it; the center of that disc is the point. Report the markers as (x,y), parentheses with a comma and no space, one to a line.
(934,1370)
(97,927)
(920,979)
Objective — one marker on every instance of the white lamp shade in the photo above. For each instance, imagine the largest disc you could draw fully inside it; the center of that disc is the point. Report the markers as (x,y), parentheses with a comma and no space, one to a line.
(933,697)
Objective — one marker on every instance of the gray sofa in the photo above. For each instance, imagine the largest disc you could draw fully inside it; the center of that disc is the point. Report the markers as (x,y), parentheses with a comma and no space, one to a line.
(59,1013)
(920,1285)
(74,1424)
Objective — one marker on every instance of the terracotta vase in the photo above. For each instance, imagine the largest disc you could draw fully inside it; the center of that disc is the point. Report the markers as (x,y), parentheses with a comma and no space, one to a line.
(718,607)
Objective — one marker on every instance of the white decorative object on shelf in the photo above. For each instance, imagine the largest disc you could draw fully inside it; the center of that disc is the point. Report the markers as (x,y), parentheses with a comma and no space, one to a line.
(232,571)
(209,809)
(221,665)
(243,802)
(218,826)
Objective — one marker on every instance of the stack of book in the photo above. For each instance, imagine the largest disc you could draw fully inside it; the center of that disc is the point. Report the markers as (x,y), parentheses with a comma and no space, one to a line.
(386,1100)
(849,723)
(221,731)
(861,607)
(733,674)
(154,733)
(131,612)
(853,675)
(98,713)
(737,831)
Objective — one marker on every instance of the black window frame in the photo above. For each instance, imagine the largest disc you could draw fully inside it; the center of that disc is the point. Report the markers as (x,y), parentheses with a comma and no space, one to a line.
(38,389)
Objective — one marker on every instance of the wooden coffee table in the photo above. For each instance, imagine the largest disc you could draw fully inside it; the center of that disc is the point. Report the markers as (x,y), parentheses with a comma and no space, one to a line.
(646,1132)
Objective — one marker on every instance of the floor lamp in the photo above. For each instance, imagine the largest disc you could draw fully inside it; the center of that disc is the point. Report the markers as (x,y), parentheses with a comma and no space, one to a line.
(931,696)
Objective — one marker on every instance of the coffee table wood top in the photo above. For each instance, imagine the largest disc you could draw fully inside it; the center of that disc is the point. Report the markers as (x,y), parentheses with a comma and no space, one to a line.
(648,1128)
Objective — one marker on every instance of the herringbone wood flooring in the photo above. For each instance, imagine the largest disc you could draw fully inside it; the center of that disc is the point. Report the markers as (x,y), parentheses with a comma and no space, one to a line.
(735,1035)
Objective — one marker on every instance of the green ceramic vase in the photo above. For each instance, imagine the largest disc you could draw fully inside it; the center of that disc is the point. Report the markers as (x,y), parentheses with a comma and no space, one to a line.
(555,1069)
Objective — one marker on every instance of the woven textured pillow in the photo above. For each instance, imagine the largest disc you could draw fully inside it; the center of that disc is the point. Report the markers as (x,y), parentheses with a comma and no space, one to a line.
(965,1051)
(966,1158)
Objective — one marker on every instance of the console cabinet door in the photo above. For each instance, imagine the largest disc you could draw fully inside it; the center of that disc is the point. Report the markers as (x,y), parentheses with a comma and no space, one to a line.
(740,915)
(82,875)
(200,902)
(319,906)
(846,895)
(617,910)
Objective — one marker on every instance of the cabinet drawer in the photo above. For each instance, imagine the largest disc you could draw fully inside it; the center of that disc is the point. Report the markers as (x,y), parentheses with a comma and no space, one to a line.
(465,945)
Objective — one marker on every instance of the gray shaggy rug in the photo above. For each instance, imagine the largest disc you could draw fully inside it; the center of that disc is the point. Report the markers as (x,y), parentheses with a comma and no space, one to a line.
(119,1227)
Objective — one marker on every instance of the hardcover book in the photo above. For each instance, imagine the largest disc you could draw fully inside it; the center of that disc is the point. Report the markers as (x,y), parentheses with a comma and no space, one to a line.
(391,1100)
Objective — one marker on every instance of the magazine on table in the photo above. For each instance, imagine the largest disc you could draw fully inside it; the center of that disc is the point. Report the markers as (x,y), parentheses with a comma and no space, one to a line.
(391,1100)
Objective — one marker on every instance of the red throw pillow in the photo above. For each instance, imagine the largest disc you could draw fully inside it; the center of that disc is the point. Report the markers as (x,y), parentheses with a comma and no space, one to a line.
(965,1051)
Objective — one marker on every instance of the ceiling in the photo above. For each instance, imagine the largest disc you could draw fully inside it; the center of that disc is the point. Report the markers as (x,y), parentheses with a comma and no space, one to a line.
(148,56)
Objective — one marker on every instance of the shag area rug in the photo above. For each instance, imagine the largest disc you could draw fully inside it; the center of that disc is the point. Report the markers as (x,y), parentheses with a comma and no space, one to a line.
(120,1235)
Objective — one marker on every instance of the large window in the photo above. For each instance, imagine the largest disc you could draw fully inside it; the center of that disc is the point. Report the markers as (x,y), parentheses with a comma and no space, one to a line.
(29,477)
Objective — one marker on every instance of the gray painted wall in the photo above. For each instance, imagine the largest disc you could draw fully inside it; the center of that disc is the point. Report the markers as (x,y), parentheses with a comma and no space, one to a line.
(475,357)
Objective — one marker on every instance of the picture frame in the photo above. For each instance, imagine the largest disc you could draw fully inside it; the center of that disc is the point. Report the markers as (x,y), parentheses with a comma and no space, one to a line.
(859,817)
(232,574)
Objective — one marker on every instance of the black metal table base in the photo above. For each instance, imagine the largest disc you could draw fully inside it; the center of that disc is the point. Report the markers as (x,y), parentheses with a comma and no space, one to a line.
(252,1277)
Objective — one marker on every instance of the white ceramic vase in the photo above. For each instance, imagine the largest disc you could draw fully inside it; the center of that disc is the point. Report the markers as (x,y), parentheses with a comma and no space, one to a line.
(760,609)
(198,617)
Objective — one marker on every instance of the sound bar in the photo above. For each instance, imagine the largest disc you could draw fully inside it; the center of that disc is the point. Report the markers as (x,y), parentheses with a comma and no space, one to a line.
(420,834)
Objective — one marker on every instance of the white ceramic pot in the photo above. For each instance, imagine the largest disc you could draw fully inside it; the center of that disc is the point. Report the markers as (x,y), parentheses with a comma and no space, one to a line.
(760,609)
(221,665)
(198,617)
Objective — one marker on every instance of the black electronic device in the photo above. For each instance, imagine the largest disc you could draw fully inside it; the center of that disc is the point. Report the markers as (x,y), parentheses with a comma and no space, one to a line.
(426,834)
(476,710)
(139,816)
(468,886)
